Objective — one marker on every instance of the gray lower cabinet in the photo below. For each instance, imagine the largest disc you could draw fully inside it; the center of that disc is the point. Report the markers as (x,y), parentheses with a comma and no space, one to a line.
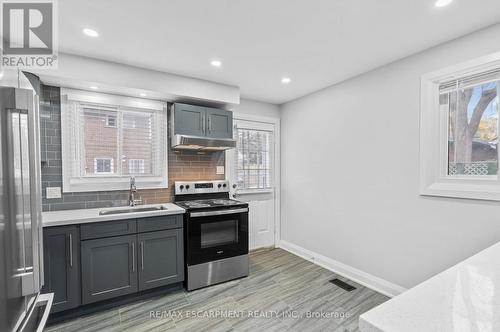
(109,268)
(99,261)
(62,266)
(161,258)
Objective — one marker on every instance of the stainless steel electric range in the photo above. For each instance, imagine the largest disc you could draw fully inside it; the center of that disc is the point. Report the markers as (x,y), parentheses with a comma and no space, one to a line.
(215,233)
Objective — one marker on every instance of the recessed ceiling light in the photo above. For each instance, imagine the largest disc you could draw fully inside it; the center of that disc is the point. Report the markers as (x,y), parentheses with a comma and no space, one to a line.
(93,87)
(286,80)
(142,94)
(216,63)
(90,32)
(443,3)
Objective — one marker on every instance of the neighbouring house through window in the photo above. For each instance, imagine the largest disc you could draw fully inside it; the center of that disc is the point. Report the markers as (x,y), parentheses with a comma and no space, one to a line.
(110,120)
(103,166)
(107,139)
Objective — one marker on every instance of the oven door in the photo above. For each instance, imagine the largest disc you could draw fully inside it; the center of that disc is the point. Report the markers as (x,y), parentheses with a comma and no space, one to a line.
(216,234)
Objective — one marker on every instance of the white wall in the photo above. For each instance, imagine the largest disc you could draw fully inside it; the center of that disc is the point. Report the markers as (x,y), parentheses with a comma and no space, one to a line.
(350,174)
(248,106)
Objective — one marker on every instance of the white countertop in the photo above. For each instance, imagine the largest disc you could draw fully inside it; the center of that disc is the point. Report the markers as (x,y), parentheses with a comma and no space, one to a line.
(463,298)
(71,217)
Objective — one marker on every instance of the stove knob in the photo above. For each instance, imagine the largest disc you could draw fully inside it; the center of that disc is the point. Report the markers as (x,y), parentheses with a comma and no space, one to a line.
(224,185)
(219,185)
(182,186)
(187,186)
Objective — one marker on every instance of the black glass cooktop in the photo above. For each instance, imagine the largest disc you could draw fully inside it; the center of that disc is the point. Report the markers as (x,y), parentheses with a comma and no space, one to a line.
(209,203)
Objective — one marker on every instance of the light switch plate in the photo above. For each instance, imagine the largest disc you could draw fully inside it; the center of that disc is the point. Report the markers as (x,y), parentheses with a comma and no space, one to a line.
(53,192)
(220,170)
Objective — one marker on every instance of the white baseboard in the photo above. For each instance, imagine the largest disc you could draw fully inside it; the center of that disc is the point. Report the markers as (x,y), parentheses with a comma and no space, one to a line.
(377,284)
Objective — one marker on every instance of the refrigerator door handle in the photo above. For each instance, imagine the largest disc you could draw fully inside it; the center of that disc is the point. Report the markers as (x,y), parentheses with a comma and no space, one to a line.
(44,299)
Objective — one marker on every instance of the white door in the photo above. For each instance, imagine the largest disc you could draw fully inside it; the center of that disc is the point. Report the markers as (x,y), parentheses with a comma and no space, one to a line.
(251,172)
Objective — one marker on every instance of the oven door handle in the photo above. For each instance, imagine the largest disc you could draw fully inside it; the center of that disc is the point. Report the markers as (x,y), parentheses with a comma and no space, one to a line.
(216,213)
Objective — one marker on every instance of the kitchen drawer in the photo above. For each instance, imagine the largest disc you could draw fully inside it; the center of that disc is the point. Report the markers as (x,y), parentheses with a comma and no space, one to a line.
(108,228)
(159,223)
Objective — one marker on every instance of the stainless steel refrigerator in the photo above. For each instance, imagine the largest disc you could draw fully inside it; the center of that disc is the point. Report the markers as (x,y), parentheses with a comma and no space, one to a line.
(22,307)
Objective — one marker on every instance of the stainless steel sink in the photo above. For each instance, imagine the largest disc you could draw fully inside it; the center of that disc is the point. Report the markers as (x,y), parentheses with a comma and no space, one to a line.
(132,209)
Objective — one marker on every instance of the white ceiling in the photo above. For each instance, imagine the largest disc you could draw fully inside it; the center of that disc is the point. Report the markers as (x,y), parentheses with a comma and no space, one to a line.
(315,42)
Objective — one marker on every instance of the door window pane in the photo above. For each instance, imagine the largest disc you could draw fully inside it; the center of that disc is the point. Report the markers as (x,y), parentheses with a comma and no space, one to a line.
(472,128)
(253,161)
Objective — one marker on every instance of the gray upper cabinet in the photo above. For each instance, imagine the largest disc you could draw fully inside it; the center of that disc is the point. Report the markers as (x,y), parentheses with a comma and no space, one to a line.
(219,123)
(202,121)
(62,266)
(189,120)
(160,258)
(109,267)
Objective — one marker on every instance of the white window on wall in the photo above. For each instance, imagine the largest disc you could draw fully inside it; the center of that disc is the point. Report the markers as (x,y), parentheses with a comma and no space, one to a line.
(103,166)
(254,159)
(106,139)
(459,131)
(111,120)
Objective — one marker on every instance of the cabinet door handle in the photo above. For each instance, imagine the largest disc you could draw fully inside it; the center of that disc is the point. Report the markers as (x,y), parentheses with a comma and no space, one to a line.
(203,126)
(71,250)
(142,255)
(209,126)
(133,256)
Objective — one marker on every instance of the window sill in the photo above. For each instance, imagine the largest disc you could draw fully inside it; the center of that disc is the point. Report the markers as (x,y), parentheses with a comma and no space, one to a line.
(107,183)
(481,191)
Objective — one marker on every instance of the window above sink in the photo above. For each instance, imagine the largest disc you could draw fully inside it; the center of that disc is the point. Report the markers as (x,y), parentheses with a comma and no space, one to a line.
(106,139)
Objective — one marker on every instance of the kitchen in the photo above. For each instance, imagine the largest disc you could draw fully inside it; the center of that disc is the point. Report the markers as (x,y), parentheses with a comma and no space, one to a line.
(164,178)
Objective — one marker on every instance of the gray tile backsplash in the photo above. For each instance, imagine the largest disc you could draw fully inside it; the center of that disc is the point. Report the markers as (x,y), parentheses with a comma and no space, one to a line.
(183,165)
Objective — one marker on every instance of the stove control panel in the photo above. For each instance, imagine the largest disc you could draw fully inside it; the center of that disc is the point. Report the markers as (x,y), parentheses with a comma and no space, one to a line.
(201,187)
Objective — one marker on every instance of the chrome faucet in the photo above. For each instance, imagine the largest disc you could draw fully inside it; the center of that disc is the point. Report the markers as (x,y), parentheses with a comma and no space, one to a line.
(133,191)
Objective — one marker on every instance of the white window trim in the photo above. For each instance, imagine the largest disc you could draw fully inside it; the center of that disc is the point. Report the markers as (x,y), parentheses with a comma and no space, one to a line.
(73,182)
(434,180)
(111,167)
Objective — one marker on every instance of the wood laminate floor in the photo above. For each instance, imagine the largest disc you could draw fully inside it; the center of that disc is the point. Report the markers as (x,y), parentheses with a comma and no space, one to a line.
(283,293)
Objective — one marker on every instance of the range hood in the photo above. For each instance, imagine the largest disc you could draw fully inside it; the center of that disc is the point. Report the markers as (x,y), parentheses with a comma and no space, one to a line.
(201,128)
(187,142)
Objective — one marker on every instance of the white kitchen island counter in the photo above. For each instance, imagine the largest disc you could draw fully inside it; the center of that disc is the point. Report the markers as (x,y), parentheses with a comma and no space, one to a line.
(464,298)
(82,216)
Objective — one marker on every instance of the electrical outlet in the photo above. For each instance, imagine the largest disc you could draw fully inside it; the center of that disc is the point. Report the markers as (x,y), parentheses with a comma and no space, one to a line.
(53,192)
(220,170)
